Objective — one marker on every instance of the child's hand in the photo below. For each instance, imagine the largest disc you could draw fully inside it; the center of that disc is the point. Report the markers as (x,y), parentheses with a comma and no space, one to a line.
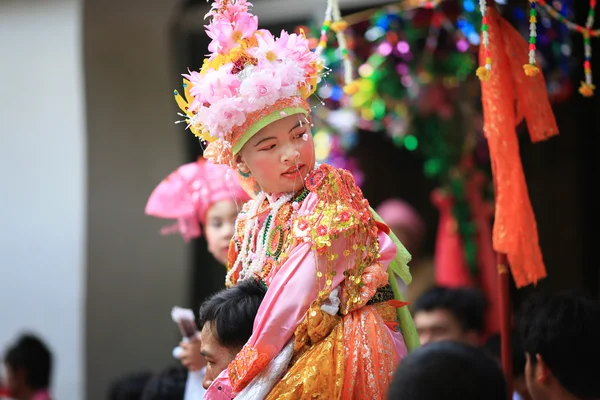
(190,356)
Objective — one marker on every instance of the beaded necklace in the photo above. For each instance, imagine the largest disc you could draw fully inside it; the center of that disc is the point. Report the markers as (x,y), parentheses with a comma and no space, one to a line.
(269,237)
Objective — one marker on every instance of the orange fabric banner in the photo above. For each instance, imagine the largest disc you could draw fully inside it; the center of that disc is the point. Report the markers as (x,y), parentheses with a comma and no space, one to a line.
(508,97)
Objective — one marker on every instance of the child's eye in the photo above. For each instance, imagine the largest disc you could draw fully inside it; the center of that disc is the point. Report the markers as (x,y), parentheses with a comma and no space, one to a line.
(299,135)
(216,223)
(267,148)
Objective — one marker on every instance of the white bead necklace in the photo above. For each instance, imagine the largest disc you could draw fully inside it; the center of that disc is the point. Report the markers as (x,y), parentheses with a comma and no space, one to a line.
(251,263)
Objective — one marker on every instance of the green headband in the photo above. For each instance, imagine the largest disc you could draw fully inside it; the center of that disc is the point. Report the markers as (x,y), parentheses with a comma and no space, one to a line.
(264,121)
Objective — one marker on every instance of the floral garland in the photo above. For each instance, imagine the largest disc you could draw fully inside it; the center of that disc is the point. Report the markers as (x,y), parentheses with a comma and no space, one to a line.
(587,87)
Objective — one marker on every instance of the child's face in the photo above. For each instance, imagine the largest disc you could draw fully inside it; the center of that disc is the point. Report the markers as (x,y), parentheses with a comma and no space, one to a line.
(219,228)
(280,155)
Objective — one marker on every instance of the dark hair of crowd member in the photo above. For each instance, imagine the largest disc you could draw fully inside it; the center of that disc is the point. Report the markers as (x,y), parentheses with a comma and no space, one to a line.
(30,355)
(168,384)
(233,327)
(564,329)
(467,305)
(448,370)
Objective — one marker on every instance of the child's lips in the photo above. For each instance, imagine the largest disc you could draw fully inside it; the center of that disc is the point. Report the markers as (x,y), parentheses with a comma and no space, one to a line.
(293,172)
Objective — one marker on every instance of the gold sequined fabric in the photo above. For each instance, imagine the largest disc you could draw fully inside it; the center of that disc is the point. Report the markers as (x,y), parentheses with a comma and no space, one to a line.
(318,373)
(355,361)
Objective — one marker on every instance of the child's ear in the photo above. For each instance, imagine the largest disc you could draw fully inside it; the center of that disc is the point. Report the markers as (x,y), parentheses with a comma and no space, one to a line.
(240,164)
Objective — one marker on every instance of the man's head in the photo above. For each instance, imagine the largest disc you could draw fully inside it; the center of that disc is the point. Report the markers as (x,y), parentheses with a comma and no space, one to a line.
(28,367)
(129,387)
(450,314)
(227,319)
(561,339)
(493,347)
(448,370)
(168,384)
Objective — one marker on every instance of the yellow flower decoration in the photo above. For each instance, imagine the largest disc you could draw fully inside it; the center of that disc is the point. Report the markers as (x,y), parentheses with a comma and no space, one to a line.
(531,70)
(198,130)
(339,26)
(351,88)
(586,89)
(483,74)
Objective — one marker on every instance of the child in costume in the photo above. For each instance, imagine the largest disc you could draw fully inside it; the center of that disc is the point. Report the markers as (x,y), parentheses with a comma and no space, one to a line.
(199,194)
(328,325)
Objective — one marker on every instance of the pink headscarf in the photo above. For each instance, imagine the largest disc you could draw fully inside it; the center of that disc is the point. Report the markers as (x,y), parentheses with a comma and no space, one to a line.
(395,212)
(188,192)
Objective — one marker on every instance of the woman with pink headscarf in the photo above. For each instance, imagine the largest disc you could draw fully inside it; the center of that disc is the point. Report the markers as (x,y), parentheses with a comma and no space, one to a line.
(200,196)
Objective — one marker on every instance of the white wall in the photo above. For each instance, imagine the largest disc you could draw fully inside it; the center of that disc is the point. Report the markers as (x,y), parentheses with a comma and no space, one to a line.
(135,275)
(42,171)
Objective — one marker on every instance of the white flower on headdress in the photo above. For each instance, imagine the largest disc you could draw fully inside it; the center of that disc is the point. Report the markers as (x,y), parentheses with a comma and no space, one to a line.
(261,90)
(291,75)
(226,34)
(224,115)
(216,84)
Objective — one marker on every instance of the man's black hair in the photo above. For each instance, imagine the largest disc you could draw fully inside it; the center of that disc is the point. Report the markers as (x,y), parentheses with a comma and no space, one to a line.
(448,370)
(169,384)
(564,329)
(467,305)
(231,312)
(129,387)
(30,355)
(493,346)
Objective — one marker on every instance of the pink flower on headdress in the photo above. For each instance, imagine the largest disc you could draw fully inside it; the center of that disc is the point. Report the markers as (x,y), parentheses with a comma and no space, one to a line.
(291,75)
(223,115)
(195,78)
(260,90)
(296,48)
(228,9)
(268,49)
(226,34)
(215,84)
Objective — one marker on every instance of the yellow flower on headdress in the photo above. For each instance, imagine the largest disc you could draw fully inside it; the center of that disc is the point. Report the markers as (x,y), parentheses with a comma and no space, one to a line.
(184,104)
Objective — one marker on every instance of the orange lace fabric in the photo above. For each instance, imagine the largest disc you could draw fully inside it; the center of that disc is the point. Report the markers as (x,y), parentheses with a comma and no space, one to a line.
(508,97)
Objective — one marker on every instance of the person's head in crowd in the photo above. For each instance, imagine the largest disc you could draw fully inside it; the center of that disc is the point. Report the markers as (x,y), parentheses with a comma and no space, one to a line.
(168,384)
(405,222)
(200,196)
(227,319)
(450,371)
(129,387)
(561,339)
(493,347)
(450,314)
(28,364)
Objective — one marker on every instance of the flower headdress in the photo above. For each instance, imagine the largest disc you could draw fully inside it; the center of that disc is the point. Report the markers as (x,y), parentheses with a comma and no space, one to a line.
(249,80)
